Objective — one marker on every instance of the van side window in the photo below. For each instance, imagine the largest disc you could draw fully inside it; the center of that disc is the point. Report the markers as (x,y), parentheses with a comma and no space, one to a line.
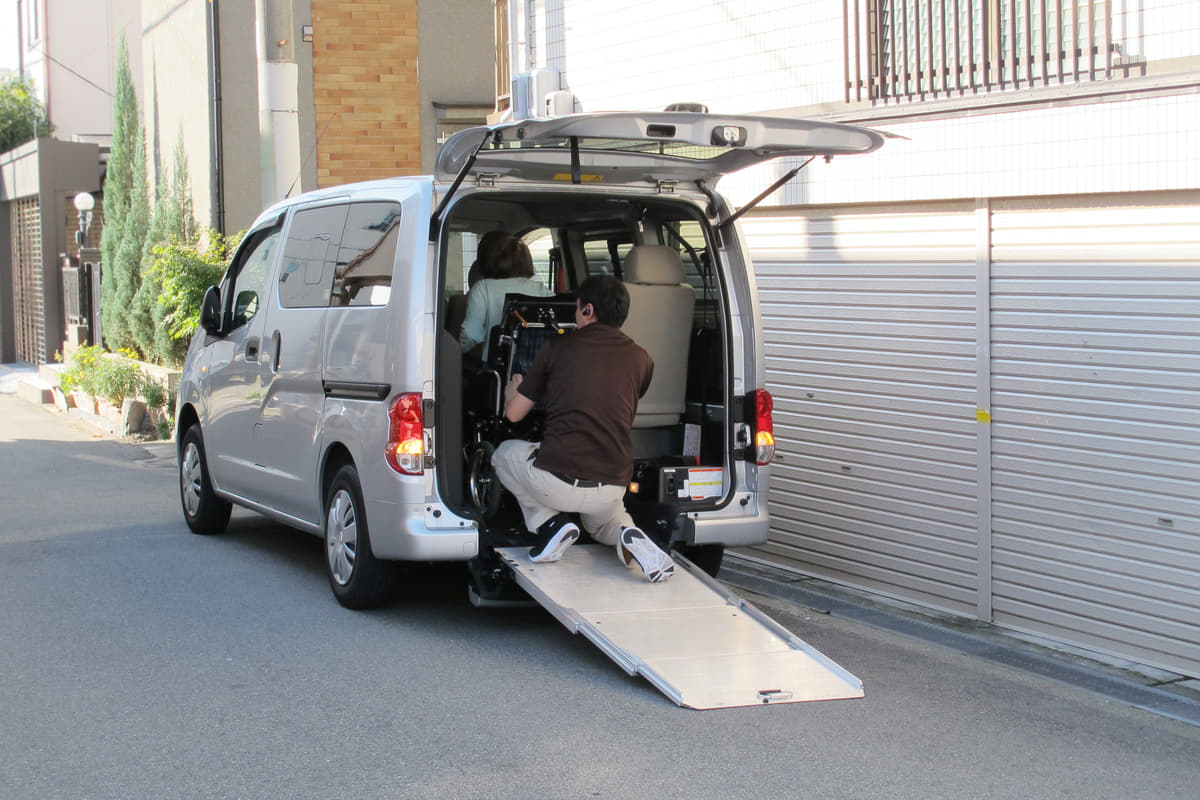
(363,276)
(606,254)
(310,256)
(250,280)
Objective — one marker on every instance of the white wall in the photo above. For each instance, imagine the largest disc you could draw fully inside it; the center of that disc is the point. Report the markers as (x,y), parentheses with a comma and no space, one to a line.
(79,87)
(776,56)
(1128,144)
(735,57)
(175,79)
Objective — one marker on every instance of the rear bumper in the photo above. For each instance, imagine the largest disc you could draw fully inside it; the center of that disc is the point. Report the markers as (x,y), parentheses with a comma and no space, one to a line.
(399,533)
(731,532)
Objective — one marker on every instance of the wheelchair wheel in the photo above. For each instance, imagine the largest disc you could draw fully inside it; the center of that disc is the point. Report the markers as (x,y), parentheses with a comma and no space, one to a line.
(484,487)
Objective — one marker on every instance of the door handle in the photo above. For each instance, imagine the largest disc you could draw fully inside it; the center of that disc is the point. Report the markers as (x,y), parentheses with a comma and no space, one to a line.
(275,342)
(252,349)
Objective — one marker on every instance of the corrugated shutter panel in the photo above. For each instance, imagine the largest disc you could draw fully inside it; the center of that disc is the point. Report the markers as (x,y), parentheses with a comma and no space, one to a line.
(1096,428)
(870,347)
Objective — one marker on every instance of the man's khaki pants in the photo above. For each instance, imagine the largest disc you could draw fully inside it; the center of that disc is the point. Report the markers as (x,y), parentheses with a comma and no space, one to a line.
(541,495)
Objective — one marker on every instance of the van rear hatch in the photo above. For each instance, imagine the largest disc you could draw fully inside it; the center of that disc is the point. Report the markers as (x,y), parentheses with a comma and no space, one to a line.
(636,148)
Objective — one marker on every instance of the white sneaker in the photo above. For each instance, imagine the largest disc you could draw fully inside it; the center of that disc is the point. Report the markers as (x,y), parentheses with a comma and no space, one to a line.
(636,546)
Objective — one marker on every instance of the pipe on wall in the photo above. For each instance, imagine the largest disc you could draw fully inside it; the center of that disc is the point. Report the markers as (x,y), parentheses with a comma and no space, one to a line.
(216,150)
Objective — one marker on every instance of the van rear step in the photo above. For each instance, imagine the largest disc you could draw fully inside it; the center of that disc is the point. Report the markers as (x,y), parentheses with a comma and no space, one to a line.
(701,645)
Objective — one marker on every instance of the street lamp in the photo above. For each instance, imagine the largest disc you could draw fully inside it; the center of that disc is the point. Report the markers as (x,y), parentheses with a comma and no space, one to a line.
(84,203)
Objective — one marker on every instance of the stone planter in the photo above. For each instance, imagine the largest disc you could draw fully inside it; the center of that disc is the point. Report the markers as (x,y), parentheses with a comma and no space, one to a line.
(134,418)
(82,401)
(108,410)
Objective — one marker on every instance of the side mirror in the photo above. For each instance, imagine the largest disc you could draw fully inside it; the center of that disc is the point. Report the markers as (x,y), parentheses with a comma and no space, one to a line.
(210,311)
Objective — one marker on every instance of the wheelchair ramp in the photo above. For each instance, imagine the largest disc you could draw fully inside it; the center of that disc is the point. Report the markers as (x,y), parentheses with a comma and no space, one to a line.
(701,645)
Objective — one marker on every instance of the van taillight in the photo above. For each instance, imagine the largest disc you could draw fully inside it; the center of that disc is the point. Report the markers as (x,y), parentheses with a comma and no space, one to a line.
(406,435)
(764,427)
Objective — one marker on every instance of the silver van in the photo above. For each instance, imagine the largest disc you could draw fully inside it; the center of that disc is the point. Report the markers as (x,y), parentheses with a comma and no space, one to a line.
(326,387)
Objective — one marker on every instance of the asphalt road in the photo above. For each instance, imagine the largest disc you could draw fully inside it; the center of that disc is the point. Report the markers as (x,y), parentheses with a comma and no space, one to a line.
(141,661)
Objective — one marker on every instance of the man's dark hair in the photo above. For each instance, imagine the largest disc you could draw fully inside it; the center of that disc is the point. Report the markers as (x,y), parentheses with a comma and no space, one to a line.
(608,296)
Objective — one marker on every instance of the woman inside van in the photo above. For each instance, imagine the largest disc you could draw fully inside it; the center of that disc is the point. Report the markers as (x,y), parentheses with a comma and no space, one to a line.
(511,272)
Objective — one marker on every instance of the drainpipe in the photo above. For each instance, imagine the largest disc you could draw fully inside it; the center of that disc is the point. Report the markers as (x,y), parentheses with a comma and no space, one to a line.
(216,176)
(21,38)
(278,112)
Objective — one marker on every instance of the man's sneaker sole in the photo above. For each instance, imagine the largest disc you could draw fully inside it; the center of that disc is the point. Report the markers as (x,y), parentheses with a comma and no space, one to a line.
(553,550)
(657,565)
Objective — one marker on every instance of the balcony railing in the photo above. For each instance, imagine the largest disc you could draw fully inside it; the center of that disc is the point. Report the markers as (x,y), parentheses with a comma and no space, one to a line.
(905,50)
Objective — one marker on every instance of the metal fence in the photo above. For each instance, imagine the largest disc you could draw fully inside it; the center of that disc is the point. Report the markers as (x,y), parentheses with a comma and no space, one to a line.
(904,50)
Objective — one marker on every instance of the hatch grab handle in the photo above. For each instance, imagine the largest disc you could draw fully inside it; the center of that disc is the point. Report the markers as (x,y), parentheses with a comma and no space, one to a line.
(576,175)
(435,220)
(770,190)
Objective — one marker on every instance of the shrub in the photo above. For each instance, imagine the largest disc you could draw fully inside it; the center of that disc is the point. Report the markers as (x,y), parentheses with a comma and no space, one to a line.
(153,392)
(112,377)
(82,372)
(185,271)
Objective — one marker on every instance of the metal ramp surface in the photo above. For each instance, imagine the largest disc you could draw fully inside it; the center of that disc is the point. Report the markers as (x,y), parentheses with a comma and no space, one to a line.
(700,644)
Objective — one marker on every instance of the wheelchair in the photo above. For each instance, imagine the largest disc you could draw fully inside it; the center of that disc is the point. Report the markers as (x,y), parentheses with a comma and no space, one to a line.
(526,325)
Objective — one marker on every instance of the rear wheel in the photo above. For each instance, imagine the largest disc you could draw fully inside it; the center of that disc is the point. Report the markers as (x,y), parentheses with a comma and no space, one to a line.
(484,486)
(358,579)
(202,509)
(707,557)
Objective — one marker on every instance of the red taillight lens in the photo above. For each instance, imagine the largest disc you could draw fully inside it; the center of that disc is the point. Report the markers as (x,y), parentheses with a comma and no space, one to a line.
(764,427)
(406,435)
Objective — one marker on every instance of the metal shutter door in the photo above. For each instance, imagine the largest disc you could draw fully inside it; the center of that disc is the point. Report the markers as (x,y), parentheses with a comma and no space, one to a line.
(870,348)
(1095,337)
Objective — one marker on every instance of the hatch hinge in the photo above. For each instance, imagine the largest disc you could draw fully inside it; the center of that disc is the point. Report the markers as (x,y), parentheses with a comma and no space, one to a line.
(486,179)
(666,187)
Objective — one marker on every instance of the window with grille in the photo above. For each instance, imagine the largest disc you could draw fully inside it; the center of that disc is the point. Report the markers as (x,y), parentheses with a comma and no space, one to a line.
(923,49)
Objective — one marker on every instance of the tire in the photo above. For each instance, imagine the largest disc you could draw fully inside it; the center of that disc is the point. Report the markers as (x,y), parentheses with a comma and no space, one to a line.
(482,484)
(707,557)
(357,578)
(204,512)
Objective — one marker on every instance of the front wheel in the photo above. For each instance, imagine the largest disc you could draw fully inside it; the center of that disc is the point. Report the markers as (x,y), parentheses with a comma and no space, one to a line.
(358,579)
(202,509)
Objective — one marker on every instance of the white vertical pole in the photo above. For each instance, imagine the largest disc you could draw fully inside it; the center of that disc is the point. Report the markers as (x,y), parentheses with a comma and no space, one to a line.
(983,408)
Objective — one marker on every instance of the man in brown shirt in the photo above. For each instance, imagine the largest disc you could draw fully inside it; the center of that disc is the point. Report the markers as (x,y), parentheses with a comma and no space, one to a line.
(590,380)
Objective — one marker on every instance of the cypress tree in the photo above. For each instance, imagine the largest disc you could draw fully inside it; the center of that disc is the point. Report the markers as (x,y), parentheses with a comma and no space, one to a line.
(128,264)
(118,183)
(173,222)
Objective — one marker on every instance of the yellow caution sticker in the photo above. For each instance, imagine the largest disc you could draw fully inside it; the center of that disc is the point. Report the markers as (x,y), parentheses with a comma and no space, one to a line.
(982,416)
(584,178)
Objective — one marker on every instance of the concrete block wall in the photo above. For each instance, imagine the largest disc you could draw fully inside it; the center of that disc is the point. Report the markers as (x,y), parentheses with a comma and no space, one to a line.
(365,90)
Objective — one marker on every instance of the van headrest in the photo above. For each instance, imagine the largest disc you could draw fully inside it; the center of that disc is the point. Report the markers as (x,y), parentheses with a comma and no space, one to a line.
(653,264)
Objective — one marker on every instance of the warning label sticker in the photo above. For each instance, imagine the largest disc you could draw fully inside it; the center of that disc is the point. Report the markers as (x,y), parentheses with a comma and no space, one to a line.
(705,482)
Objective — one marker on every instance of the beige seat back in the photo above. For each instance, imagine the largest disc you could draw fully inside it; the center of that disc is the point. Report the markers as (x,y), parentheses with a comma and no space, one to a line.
(660,320)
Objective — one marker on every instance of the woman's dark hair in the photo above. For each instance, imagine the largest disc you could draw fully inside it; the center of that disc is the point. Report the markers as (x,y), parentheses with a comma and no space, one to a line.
(512,260)
(608,296)
(486,251)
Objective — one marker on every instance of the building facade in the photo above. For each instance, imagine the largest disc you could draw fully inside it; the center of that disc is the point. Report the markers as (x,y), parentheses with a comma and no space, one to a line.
(984,339)
(268,98)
